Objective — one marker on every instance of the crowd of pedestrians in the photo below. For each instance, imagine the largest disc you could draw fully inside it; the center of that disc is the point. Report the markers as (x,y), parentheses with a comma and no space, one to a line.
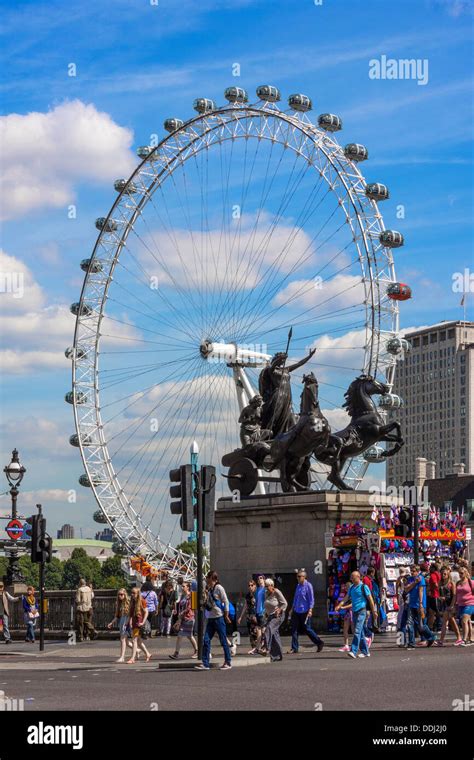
(432,599)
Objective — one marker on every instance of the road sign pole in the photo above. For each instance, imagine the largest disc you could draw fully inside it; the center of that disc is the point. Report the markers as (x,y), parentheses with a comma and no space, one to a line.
(42,601)
(200,617)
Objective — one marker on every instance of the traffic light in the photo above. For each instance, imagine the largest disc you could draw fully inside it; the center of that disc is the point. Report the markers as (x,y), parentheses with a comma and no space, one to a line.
(405,527)
(46,544)
(31,531)
(182,494)
(208,480)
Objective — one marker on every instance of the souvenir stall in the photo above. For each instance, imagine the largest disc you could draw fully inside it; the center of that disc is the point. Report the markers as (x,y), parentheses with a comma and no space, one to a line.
(355,547)
(440,539)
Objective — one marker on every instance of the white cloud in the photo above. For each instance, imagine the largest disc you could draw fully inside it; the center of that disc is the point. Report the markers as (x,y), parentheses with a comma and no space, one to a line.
(45,154)
(340,291)
(18,289)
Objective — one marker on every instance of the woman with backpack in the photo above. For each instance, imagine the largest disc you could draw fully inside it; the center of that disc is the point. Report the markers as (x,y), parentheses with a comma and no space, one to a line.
(357,599)
(216,611)
(465,604)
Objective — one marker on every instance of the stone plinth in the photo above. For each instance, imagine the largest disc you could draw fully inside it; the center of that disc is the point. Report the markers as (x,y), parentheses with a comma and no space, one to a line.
(277,533)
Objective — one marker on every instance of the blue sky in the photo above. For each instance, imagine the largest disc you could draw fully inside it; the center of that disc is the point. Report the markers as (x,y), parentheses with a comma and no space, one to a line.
(137,64)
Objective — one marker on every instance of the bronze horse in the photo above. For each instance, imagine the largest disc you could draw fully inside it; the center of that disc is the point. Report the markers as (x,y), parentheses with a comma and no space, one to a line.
(365,428)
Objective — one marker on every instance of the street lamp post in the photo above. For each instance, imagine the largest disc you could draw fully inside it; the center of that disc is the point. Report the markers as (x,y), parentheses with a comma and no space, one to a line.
(14,473)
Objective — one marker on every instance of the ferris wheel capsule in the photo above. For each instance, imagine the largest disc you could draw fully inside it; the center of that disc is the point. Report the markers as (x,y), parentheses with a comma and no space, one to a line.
(87,482)
(107,225)
(80,310)
(397,346)
(399,291)
(204,105)
(300,102)
(86,440)
(376,191)
(91,265)
(330,122)
(123,186)
(374,454)
(81,398)
(268,93)
(392,239)
(144,151)
(171,125)
(236,95)
(77,353)
(356,152)
(390,401)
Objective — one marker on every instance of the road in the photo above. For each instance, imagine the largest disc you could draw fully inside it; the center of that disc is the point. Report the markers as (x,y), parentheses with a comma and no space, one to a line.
(86,677)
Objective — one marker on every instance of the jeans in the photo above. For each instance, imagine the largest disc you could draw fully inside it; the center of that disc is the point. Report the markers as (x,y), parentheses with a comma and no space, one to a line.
(6,631)
(301,623)
(414,620)
(358,624)
(215,625)
(30,630)
(403,625)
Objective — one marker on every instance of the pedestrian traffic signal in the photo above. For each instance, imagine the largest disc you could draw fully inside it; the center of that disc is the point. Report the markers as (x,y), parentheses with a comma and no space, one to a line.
(405,526)
(208,481)
(182,495)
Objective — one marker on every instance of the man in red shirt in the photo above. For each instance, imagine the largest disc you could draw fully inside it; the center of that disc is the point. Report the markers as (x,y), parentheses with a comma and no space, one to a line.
(433,595)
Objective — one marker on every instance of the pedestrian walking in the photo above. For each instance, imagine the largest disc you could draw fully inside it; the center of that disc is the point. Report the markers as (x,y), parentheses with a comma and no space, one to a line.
(260,594)
(434,579)
(216,610)
(249,611)
(465,604)
(137,617)
(346,620)
(447,606)
(275,607)
(84,597)
(301,613)
(150,597)
(30,614)
(358,599)
(167,600)
(416,588)
(122,608)
(402,599)
(184,625)
(5,599)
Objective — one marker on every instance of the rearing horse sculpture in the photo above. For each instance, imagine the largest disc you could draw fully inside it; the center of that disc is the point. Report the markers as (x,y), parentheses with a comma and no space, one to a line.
(365,428)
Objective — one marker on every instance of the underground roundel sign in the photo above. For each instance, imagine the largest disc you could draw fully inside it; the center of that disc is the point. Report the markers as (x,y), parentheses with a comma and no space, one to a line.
(14,529)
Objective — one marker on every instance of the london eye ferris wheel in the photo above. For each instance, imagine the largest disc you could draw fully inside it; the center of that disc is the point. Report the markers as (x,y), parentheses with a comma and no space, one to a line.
(244,220)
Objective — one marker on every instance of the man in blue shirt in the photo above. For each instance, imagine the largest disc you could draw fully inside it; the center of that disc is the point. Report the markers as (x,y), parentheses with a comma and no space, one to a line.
(416,589)
(301,613)
(357,598)
(260,600)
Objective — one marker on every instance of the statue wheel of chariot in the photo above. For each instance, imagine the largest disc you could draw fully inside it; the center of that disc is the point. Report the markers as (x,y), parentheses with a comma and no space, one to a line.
(243,220)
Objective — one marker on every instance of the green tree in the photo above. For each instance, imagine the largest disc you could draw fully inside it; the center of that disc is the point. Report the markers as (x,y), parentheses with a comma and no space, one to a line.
(29,570)
(188,547)
(112,573)
(53,574)
(80,565)
(3,568)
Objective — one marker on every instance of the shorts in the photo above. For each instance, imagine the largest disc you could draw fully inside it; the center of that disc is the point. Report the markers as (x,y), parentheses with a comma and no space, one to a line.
(433,604)
(468,609)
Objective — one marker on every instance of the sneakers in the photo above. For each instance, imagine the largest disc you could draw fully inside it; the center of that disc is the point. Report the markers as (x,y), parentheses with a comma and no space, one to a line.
(345,648)
(201,667)
(350,653)
(173,656)
(458,643)
(422,644)
(292,651)
(226,666)
(320,646)
(361,655)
